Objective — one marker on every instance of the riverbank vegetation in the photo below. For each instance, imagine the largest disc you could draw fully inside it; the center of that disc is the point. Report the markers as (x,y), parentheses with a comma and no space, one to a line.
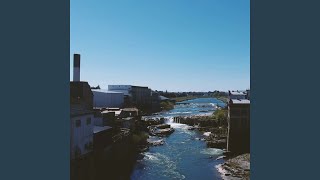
(222,96)
(139,138)
(184,98)
(221,116)
(166,105)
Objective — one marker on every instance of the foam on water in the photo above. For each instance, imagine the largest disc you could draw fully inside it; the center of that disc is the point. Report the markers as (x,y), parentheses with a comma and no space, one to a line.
(212,151)
(181,157)
(150,156)
(207,133)
(162,160)
(188,112)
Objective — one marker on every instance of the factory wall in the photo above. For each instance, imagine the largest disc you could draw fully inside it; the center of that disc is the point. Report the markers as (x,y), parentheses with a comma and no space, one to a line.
(107,99)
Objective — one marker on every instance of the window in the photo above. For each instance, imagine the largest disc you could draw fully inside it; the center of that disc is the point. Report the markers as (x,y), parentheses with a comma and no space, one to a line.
(88,121)
(78,123)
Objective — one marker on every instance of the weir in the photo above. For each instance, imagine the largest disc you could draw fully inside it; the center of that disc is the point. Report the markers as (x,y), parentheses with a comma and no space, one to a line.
(172,160)
(177,120)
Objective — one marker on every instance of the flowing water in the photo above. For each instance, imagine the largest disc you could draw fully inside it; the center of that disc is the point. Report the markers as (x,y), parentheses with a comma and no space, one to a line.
(184,155)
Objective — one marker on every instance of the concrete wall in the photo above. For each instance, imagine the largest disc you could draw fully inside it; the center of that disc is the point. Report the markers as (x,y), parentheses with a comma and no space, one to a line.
(81,136)
(106,99)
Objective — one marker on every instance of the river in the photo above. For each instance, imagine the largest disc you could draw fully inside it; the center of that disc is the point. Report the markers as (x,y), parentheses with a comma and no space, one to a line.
(183,156)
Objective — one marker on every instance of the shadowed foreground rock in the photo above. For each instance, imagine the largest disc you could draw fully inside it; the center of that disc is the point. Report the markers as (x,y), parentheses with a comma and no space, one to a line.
(235,168)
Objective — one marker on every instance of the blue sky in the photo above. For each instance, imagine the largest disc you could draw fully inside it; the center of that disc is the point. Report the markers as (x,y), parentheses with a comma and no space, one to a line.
(174,45)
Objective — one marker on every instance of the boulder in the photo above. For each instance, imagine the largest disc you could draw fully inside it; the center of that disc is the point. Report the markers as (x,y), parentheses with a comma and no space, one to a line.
(163,126)
(163,132)
(156,142)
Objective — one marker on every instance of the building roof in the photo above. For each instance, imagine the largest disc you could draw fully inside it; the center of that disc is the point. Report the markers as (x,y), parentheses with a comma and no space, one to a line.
(130,109)
(240,101)
(237,93)
(97,129)
(120,85)
(162,98)
(127,119)
(116,112)
(124,91)
(107,91)
(146,87)
(80,93)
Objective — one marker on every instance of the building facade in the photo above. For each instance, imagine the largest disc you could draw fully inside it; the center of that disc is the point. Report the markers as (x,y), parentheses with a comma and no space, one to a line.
(81,124)
(81,114)
(135,96)
(141,96)
(108,99)
(238,140)
(81,94)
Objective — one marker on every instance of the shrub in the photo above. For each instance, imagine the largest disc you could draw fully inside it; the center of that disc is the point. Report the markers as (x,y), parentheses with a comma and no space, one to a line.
(166,105)
(139,138)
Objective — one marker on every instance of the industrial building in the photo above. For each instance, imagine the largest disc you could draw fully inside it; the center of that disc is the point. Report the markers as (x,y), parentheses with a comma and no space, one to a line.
(81,114)
(107,99)
(139,96)
(81,123)
(125,89)
(238,140)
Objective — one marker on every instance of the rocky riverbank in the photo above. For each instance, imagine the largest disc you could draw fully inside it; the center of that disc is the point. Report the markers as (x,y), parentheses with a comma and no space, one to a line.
(160,130)
(215,131)
(235,168)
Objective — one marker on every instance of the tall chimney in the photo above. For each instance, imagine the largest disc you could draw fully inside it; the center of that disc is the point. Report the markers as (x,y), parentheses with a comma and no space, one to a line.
(76,67)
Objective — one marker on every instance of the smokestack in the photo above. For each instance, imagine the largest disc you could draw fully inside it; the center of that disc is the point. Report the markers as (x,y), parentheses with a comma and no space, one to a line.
(76,67)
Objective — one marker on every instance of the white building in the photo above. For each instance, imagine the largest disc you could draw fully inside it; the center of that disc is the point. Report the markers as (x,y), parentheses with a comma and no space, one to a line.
(105,98)
(81,132)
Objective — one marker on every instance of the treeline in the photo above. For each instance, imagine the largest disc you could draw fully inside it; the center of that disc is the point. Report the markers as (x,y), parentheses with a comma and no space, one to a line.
(184,94)
(219,94)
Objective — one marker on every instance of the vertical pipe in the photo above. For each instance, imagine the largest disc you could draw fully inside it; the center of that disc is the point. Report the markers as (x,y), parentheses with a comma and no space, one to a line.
(76,67)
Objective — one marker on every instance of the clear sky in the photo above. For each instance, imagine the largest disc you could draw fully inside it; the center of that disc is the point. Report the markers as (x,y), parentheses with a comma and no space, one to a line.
(174,45)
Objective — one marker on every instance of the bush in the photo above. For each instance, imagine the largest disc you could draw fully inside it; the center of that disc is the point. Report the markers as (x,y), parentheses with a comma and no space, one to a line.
(166,105)
(221,115)
(139,138)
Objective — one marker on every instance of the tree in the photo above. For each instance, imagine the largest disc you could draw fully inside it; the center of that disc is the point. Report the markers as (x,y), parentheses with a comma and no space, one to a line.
(221,115)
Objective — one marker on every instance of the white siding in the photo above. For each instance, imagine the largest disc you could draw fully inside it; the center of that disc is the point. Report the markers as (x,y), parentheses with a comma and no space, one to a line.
(98,121)
(82,135)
